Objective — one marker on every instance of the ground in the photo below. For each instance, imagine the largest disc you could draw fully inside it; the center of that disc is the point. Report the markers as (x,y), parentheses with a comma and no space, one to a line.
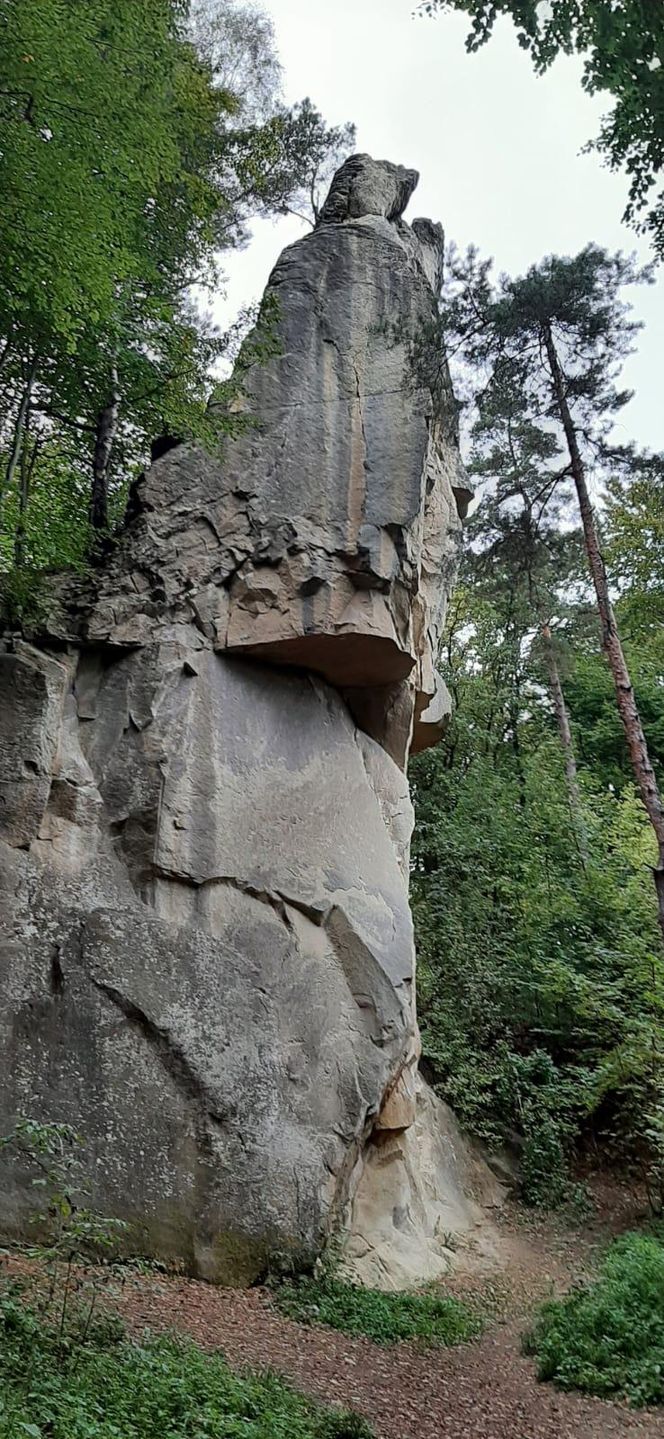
(483,1390)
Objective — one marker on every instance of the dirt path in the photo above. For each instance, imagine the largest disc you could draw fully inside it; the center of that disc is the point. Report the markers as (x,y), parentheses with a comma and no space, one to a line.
(485,1390)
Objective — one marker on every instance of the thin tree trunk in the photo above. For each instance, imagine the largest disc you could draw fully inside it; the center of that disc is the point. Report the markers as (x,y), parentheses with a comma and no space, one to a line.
(567,743)
(19,428)
(27,471)
(514,710)
(106,429)
(644,775)
(557,696)
(5,353)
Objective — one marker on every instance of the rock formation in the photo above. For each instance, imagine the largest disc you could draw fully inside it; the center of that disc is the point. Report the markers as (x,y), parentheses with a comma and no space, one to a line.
(206,946)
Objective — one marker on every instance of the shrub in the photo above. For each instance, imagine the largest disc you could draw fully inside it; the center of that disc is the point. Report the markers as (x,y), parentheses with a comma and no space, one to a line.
(384,1318)
(607,1338)
(162,1386)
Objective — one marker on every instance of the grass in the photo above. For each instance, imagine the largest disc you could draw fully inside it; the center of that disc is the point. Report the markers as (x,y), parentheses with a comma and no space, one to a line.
(384,1318)
(607,1338)
(106,1386)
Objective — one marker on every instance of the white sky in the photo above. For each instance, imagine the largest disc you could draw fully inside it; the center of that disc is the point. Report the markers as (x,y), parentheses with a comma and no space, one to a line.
(496,147)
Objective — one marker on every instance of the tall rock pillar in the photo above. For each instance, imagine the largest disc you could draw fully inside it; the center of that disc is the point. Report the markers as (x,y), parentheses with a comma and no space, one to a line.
(206,945)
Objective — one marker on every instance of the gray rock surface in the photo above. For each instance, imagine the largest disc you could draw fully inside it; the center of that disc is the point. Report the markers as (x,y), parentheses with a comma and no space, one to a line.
(424,1205)
(206,948)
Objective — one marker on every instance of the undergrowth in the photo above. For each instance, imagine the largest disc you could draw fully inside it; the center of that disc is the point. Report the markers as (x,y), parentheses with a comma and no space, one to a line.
(384,1318)
(99,1384)
(607,1337)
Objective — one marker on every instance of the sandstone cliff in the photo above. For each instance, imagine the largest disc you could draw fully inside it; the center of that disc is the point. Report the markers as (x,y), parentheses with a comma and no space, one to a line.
(206,947)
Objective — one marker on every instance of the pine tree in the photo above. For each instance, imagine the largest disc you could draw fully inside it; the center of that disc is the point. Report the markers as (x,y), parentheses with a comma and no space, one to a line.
(519,531)
(558,337)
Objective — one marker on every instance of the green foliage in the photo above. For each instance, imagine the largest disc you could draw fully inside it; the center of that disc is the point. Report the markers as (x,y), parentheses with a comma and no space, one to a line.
(107,1387)
(591,697)
(138,143)
(53,1154)
(384,1318)
(622,45)
(634,526)
(540,976)
(541,969)
(68,1231)
(607,1337)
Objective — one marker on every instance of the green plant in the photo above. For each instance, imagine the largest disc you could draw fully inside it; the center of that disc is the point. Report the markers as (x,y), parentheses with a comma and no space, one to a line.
(654,1169)
(69,1233)
(21,597)
(540,972)
(543,1170)
(607,1337)
(384,1318)
(114,1389)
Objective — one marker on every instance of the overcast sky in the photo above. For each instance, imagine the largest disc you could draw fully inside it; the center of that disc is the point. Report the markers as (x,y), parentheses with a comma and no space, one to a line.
(498,151)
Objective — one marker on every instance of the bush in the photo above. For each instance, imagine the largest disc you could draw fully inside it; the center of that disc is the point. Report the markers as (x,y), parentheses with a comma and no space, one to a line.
(544,1181)
(162,1386)
(607,1338)
(384,1318)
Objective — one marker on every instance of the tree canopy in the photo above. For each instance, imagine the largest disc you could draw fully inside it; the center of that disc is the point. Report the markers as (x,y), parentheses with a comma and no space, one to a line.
(140,137)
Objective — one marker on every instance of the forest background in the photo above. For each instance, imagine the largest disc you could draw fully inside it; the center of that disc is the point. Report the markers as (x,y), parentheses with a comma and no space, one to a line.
(141,143)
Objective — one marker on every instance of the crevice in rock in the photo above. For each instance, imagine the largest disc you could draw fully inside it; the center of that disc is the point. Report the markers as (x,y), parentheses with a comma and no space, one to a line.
(276,901)
(359,397)
(170,1053)
(56,977)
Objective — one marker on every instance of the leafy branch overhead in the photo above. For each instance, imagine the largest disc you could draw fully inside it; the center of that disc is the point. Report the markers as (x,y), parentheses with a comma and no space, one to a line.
(622,48)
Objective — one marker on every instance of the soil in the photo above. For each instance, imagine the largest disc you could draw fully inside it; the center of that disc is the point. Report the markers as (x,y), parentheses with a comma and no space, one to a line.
(483,1390)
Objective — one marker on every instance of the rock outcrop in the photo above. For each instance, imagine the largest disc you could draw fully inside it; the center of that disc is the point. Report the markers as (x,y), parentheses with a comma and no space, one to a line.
(206,949)
(424,1203)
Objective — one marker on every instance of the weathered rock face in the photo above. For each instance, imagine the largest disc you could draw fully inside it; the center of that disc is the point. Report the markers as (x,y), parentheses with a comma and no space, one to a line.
(423,1203)
(205,942)
(207,955)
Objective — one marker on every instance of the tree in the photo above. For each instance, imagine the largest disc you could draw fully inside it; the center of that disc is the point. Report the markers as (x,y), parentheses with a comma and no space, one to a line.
(138,142)
(111,138)
(316,150)
(622,45)
(558,337)
(634,525)
(237,41)
(539,978)
(518,526)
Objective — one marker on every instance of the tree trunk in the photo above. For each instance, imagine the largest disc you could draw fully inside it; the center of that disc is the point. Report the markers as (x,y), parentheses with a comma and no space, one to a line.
(27,471)
(5,354)
(644,775)
(19,428)
(567,743)
(106,429)
(514,711)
